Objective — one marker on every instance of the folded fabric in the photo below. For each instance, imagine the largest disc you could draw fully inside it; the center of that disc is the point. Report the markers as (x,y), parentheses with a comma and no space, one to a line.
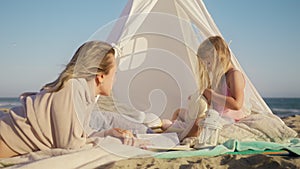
(258,127)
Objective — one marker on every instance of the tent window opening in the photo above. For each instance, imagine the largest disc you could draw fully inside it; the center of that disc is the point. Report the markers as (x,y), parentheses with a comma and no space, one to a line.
(199,34)
(134,54)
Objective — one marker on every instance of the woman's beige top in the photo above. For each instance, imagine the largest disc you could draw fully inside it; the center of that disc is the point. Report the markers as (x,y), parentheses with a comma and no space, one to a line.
(50,120)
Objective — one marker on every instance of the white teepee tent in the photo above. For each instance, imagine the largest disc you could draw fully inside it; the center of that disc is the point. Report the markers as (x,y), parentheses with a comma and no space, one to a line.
(158,40)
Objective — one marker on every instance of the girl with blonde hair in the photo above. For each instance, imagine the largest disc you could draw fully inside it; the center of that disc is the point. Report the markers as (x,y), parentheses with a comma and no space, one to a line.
(58,116)
(185,121)
(226,93)
(221,85)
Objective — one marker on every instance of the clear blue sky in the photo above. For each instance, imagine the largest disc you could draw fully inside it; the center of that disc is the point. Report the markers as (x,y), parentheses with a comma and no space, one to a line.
(37,38)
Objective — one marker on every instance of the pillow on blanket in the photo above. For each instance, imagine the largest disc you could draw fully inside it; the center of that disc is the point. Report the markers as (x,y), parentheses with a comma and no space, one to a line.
(152,120)
(258,127)
(108,120)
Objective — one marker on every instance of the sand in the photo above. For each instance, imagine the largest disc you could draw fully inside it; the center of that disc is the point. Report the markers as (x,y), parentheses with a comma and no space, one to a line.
(219,162)
(4,110)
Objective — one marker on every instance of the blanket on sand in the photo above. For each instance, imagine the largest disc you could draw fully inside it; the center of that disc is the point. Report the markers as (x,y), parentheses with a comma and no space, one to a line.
(92,157)
(105,150)
(236,146)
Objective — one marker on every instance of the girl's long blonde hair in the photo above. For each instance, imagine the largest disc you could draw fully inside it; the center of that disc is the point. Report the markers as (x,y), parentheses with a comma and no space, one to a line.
(203,79)
(217,49)
(89,59)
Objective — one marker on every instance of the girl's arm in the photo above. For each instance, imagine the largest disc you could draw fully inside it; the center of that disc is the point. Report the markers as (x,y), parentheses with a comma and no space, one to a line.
(236,85)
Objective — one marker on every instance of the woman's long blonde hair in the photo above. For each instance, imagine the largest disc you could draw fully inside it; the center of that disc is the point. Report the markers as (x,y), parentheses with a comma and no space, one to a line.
(89,59)
(216,48)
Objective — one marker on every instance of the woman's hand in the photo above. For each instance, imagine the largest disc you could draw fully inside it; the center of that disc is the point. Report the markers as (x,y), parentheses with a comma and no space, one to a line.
(120,133)
(127,137)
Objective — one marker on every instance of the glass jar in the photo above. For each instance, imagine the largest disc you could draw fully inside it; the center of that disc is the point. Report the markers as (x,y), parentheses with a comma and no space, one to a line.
(210,129)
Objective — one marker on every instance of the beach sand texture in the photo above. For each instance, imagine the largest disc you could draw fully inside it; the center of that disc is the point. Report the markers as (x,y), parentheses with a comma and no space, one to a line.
(259,161)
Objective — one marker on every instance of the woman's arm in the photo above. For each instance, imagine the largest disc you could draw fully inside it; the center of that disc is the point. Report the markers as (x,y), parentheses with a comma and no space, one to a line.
(115,132)
(236,85)
(125,135)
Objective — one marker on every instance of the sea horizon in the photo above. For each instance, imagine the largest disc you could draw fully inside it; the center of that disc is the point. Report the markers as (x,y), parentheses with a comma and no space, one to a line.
(281,106)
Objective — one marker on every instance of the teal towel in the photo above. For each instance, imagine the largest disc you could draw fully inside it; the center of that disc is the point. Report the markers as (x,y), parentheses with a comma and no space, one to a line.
(235,146)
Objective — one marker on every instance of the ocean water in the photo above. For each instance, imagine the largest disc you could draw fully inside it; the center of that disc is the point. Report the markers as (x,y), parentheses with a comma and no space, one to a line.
(284,106)
(280,106)
(8,102)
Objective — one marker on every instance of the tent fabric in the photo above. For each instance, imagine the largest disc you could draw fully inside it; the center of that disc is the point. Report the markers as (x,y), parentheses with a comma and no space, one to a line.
(158,42)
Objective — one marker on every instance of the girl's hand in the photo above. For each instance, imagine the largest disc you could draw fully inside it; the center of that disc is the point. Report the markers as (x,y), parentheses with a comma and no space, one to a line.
(207,94)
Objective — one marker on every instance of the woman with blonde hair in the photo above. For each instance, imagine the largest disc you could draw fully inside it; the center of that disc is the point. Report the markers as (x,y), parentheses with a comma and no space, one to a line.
(58,116)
